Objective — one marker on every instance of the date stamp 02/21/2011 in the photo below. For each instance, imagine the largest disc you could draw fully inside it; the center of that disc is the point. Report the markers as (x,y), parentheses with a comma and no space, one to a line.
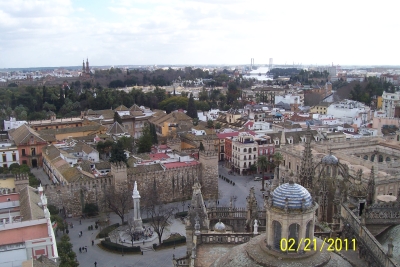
(310,244)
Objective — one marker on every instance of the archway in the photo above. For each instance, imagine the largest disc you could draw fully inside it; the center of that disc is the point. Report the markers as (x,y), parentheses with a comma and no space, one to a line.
(293,234)
(34,163)
(277,227)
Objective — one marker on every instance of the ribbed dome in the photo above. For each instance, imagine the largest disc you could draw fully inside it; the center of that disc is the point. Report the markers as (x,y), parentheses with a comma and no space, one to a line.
(219,227)
(330,160)
(295,194)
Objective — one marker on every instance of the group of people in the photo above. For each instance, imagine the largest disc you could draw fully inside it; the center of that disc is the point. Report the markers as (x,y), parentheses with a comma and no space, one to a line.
(82,249)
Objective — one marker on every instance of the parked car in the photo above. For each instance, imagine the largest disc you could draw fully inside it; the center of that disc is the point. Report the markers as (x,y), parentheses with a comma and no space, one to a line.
(257,179)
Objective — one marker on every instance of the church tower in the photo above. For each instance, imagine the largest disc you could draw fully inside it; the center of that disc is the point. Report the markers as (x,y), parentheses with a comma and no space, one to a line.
(83,67)
(87,66)
(307,167)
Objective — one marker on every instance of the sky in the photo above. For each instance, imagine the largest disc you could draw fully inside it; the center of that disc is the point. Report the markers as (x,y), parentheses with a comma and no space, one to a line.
(47,33)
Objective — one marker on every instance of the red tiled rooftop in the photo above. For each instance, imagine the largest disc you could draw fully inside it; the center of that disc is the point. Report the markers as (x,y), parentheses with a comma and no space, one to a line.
(158,156)
(163,147)
(180,164)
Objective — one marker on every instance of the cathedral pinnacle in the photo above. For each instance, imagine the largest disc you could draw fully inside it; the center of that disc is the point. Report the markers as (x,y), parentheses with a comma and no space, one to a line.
(307,166)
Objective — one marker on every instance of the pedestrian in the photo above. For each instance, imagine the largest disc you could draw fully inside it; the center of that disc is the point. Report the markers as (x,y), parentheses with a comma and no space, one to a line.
(95,264)
(92,242)
(80,250)
(85,248)
(143,242)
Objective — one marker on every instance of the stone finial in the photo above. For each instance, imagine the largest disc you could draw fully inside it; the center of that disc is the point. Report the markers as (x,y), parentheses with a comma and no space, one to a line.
(197,225)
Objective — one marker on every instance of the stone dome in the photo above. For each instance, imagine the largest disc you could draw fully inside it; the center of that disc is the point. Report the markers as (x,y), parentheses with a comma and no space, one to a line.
(220,227)
(330,160)
(294,193)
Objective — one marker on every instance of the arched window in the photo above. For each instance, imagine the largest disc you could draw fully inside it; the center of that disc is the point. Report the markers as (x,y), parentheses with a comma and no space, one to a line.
(254,149)
(308,229)
(380,158)
(387,159)
(372,158)
(277,234)
(294,230)
(366,157)
(244,157)
(245,150)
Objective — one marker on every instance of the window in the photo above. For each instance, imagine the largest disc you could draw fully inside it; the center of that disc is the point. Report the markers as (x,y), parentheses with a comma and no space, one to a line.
(33,151)
(23,152)
(24,162)
(14,157)
(4,158)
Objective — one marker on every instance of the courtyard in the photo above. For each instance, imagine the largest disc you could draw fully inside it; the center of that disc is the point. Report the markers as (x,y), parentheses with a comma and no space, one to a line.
(163,257)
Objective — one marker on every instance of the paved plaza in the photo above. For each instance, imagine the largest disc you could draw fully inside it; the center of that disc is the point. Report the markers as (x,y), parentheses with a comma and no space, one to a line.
(151,258)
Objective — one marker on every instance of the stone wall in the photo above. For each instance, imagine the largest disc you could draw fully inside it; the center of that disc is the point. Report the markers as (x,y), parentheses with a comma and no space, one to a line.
(209,174)
(170,185)
(74,196)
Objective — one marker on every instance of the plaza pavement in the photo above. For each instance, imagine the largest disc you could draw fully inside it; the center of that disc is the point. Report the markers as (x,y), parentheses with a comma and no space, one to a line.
(152,258)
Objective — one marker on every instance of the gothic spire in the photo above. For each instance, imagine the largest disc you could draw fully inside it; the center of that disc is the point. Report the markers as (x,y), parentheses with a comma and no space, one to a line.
(307,167)
(371,187)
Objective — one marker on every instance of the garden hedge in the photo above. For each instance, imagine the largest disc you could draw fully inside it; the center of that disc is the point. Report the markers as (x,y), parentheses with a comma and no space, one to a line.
(104,233)
(118,247)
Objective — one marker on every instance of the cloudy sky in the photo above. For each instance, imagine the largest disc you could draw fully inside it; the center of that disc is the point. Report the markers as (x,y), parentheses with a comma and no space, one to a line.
(38,33)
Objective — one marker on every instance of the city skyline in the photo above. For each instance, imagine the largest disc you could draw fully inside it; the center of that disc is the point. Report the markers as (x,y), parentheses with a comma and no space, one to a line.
(154,32)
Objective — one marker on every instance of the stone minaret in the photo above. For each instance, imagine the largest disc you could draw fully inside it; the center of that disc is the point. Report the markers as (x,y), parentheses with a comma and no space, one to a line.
(371,187)
(307,166)
(137,219)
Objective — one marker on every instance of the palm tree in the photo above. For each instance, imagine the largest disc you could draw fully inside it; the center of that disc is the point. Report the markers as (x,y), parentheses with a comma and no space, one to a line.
(262,163)
(278,158)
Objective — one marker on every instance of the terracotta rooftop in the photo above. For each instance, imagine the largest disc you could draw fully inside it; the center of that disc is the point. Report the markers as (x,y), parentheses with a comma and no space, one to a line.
(24,134)
(180,164)
(158,156)
(29,204)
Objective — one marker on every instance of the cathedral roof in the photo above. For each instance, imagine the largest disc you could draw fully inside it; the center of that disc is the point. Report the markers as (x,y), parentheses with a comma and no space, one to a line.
(293,194)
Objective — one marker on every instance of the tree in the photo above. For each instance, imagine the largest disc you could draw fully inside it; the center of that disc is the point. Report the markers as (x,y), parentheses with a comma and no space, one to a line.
(145,141)
(262,163)
(127,143)
(191,108)
(66,254)
(159,214)
(104,147)
(153,134)
(61,226)
(210,124)
(52,209)
(278,158)
(117,118)
(118,199)
(201,147)
(118,153)
(91,209)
